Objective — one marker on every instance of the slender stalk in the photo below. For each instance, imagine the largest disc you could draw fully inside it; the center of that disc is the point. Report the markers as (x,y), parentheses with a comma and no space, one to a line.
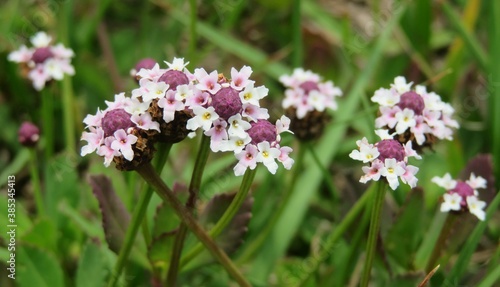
(448,225)
(68,106)
(149,175)
(372,234)
(297,35)
(227,216)
(348,220)
(192,29)
(194,188)
(48,122)
(138,217)
(261,238)
(35,180)
(494,86)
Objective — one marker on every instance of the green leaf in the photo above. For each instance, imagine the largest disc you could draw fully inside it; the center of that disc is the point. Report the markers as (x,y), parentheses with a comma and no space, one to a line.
(43,234)
(38,268)
(115,217)
(92,267)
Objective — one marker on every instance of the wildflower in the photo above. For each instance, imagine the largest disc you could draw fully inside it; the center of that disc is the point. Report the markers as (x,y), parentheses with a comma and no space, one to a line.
(462,196)
(306,99)
(146,63)
(28,134)
(43,62)
(418,116)
(387,158)
(229,112)
(119,136)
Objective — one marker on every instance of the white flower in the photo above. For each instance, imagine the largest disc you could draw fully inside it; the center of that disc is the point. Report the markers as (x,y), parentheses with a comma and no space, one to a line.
(207,82)
(23,55)
(252,95)
(177,64)
(283,125)
(383,134)
(400,85)
(170,105)
(406,120)
(40,40)
(246,159)
(445,182)
(237,126)
(267,156)
(366,153)
(372,172)
(317,100)
(155,90)
(385,97)
(204,117)
(476,182)
(392,170)
(284,158)
(476,207)
(253,112)
(451,202)
(235,144)
(94,139)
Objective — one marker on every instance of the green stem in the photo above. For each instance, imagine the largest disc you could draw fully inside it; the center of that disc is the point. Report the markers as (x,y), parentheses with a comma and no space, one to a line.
(194,189)
(149,175)
(227,216)
(35,180)
(297,56)
(372,234)
(192,30)
(348,220)
(440,244)
(48,122)
(138,217)
(261,238)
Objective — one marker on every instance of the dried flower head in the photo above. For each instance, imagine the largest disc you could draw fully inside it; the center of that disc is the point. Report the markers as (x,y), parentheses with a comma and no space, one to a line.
(44,62)
(414,115)
(387,158)
(462,196)
(306,99)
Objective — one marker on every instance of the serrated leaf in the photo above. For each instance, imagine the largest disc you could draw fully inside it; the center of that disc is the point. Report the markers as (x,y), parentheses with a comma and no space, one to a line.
(37,268)
(232,236)
(403,251)
(91,263)
(43,234)
(115,217)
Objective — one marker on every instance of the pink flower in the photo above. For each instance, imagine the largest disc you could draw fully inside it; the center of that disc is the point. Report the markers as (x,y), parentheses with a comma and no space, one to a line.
(170,104)
(123,143)
(145,122)
(207,82)
(107,152)
(247,158)
(217,134)
(240,79)
(94,140)
(284,158)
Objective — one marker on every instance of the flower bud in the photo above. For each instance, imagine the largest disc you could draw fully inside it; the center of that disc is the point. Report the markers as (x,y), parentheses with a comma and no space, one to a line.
(41,54)
(174,78)
(412,101)
(28,134)
(390,149)
(261,131)
(115,120)
(226,102)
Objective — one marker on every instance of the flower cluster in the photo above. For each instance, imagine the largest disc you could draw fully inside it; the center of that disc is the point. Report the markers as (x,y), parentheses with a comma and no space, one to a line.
(387,158)
(171,103)
(229,112)
(306,99)
(417,116)
(462,196)
(44,62)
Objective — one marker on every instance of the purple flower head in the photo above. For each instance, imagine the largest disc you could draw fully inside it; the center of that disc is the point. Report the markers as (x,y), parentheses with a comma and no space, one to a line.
(413,101)
(262,130)
(309,86)
(174,78)
(389,148)
(146,63)
(28,134)
(413,115)
(388,159)
(41,54)
(462,196)
(226,102)
(115,120)
(44,62)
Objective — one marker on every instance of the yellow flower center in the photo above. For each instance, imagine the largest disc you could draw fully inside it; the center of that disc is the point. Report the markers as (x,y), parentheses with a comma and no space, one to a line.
(207,116)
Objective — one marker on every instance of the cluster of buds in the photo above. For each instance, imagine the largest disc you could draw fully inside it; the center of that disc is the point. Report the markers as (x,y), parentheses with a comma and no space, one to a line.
(418,116)
(387,158)
(28,134)
(462,196)
(44,62)
(306,99)
(171,103)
